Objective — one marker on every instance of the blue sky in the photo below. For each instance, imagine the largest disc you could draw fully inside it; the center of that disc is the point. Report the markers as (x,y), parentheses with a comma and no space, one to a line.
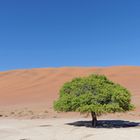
(57,33)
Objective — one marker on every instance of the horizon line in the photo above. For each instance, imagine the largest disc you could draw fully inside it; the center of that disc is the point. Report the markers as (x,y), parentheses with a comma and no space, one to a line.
(59,67)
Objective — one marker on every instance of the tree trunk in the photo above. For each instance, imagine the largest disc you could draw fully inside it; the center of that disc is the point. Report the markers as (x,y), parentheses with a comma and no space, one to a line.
(94,119)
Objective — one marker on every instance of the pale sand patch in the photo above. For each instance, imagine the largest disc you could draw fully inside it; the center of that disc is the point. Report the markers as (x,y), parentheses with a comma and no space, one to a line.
(58,129)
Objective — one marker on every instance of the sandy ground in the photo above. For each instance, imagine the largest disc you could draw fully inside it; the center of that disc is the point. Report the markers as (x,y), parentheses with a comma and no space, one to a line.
(26,106)
(31,93)
(64,129)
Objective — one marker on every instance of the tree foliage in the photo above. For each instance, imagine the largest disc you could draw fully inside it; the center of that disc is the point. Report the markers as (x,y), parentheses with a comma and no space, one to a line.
(94,93)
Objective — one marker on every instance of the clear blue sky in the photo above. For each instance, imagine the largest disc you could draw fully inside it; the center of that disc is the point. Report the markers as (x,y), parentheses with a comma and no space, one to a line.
(57,33)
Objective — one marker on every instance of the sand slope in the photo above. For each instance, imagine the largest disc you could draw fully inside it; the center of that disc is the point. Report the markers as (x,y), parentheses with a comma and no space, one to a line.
(41,86)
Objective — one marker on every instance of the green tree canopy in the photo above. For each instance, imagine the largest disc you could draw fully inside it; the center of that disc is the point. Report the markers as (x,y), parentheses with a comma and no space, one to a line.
(94,94)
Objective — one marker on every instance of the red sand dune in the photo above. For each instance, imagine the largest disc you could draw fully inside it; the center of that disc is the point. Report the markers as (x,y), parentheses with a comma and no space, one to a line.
(41,86)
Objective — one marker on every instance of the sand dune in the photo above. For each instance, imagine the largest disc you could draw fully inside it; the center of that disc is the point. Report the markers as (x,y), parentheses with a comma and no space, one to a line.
(40,87)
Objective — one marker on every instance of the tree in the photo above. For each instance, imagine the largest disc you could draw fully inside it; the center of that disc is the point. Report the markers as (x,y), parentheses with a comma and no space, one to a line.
(94,94)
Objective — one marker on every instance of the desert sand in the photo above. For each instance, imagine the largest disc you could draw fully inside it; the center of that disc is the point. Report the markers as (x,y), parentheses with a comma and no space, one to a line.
(26,106)
(61,129)
(30,93)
